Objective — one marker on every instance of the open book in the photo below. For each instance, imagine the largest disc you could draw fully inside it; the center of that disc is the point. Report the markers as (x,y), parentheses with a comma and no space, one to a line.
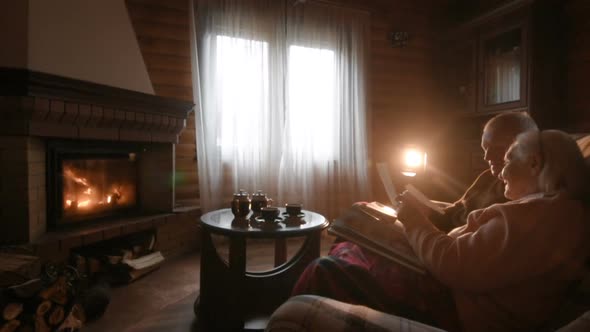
(374,226)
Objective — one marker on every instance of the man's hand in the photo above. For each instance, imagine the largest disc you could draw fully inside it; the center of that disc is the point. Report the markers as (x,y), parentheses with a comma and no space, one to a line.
(410,209)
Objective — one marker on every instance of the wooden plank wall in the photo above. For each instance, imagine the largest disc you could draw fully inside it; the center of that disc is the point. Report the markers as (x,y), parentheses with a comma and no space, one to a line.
(578,64)
(162,30)
(405,104)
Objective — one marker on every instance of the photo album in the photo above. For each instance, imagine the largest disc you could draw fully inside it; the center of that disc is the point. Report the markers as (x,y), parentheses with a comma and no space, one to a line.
(374,226)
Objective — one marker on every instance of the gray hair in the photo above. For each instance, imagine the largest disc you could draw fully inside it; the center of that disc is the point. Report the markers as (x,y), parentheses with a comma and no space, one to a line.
(512,123)
(563,167)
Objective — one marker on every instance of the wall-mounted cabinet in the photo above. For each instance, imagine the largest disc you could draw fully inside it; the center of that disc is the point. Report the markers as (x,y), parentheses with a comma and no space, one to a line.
(502,68)
(486,65)
(509,58)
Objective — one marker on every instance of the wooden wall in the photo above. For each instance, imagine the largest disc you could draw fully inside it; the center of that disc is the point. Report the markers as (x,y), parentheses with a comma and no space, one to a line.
(577,14)
(404,101)
(162,29)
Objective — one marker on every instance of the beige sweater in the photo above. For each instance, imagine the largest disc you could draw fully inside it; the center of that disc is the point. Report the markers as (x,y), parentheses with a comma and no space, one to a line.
(510,265)
(483,192)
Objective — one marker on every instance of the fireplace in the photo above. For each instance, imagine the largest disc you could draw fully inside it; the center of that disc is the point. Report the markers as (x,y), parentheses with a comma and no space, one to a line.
(82,162)
(90,181)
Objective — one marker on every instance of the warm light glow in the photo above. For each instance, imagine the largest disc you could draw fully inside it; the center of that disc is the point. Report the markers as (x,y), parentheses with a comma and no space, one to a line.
(413,158)
(69,202)
(413,161)
(410,174)
(109,197)
(84,203)
(389,210)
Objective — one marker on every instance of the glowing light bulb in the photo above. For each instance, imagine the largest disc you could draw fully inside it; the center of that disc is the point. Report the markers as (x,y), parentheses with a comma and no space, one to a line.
(414,161)
(413,158)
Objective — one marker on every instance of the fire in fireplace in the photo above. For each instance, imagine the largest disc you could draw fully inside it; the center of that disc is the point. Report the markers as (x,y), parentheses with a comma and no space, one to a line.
(90,181)
(98,186)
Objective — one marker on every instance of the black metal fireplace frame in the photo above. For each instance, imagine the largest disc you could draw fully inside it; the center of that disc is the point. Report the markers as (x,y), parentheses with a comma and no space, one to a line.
(59,150)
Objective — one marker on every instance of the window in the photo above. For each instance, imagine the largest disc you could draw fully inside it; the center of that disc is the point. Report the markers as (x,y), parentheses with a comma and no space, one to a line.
(311,102)
(242,67)
(281,102)
(242,80)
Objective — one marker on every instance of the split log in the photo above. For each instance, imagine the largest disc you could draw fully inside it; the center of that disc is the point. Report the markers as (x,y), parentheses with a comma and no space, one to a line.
(57,315)
(10,326)
(43,308)
(58,292)
(73,321)
(41,324)
(79,312)
(11,311)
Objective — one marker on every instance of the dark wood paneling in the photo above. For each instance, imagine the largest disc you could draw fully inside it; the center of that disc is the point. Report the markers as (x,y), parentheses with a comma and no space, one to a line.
(162,30)
(578,64)
(403,98)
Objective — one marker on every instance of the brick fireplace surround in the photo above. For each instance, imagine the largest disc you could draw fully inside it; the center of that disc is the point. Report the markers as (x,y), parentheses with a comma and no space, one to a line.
(37,107)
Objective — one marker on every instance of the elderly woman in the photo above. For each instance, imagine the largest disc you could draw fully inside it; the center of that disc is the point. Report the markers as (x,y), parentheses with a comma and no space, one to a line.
(510,266)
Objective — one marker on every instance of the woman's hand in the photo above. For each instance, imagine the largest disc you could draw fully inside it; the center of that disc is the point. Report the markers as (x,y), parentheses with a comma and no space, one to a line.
(410,209)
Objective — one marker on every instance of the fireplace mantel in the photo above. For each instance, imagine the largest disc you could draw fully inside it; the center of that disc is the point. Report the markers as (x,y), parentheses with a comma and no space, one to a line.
(39,109)
(46,105)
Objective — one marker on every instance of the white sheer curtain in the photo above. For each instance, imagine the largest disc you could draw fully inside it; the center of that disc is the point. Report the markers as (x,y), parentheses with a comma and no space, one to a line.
(504,77)
(281,92)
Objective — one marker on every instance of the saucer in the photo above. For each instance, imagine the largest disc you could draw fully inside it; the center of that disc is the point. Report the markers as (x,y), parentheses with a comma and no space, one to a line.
(300,215)
(264,221)
(259,222)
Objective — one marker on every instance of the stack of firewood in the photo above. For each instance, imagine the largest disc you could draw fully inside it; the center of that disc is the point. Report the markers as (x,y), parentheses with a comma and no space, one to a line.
(120,260)
(42,305)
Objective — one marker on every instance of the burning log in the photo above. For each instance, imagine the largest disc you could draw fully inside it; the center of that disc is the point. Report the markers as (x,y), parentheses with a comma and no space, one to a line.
(10,326)
(11,311)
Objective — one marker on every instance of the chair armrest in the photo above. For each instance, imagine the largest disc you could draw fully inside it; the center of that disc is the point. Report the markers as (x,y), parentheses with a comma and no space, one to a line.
(315,313)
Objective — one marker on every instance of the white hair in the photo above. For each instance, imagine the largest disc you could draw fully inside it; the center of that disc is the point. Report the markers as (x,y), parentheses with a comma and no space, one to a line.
(563,167)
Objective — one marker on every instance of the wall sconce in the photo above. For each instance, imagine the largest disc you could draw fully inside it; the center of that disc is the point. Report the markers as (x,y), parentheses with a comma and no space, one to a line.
(413,161)
(399,38)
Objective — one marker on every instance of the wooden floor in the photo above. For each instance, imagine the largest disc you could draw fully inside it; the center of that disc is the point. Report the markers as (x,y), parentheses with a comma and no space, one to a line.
(163,300)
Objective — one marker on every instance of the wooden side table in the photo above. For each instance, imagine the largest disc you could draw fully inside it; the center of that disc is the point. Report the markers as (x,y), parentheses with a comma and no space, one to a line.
(229,294)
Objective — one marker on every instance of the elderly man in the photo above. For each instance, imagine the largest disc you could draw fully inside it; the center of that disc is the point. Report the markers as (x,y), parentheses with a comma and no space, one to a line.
(498,133)
(354,275)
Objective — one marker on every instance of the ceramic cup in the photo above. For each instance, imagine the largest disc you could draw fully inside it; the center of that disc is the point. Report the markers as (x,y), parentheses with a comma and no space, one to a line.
(269,213)
(293,209)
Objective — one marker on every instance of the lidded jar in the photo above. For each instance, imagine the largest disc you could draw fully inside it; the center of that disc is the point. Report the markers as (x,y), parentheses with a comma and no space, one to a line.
(240,205)
(259,200)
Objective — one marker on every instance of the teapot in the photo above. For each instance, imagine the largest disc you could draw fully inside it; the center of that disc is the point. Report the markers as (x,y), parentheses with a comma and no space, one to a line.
(240,205)
(259,200)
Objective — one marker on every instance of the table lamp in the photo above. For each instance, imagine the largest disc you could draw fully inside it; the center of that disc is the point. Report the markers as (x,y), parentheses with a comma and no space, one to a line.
(413,161)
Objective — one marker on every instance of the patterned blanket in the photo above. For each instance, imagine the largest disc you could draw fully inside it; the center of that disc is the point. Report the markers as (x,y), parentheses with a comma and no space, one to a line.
(356,276)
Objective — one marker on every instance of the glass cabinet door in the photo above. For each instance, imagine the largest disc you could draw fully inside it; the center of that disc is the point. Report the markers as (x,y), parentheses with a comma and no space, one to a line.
(503,71)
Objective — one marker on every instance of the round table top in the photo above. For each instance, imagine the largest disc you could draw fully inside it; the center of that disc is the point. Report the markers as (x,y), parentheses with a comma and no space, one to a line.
(223,222)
